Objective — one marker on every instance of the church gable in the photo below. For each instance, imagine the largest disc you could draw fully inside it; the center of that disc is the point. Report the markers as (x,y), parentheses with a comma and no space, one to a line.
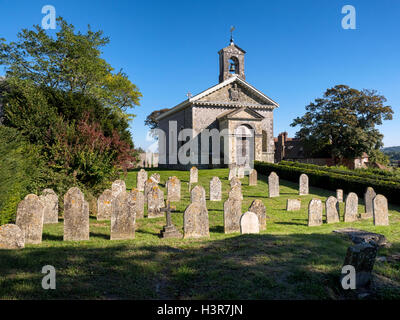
(241,113)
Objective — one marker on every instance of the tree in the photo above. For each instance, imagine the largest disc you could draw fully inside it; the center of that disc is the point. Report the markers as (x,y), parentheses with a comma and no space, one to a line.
(344,121)
(151,118)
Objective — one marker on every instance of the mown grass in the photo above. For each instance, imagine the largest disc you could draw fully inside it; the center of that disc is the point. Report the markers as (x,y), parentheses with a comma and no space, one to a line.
(289,260)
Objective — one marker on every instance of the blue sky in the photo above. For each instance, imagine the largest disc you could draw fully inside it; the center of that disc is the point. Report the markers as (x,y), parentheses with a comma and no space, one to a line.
(295,49)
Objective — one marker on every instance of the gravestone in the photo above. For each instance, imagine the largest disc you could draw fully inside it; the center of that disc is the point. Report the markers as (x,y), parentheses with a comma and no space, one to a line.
(273,185)
(232,173)
(368,200)
(380,211)
(240,172)
(117,187)
(257,206)
(194,175)
(315,213)
(235,181)
(148,185)
(215,189)
(50,201)
(104,208)
(141,179)
(76,216)
(332,210)
(123,218)
(351,208)
(136,203)
(155,177)
(30,213)
(173,189)
(198,194)
(232,214)
(11,237)
(236,193)
(195,221)
(293,205)
(155,201)
(303,185)
(253,178)
(169,230)
(249,223)
(339,195)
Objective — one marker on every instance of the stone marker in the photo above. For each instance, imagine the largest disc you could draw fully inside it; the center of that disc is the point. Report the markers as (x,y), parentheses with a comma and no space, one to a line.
(368,199)
(232,173)
(195,221)
(332,210)
(215,189)
(155,177)
(155,201)
(173,189)
(136,203)
(232,214)
(257,206)
(380,211)
(76,216)
(253,178)
(198,194)
(249,223)
(240,172)
(50,201)
(303,185)
(30,213)
(236,193)
(11,237)
(351,208)
(123,218)
(148,185)
(194,173)
(117,187)
(315,213)
(169,230)
(104,208)
(358,236)
(339,195)
(273,185)
(293,205)
(141,179)
(235,181)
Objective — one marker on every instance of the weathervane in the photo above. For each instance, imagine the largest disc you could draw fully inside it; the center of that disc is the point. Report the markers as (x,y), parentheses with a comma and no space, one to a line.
(232,29)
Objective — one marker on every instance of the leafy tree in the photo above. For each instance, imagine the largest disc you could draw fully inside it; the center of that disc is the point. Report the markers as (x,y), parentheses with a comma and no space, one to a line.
(344,121)
(151,118)
(377,156)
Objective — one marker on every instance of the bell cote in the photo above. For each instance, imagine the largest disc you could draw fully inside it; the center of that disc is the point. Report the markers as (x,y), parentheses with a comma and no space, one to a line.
(231,62)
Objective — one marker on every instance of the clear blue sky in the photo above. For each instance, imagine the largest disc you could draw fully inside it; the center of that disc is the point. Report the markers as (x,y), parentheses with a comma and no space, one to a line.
(295,49)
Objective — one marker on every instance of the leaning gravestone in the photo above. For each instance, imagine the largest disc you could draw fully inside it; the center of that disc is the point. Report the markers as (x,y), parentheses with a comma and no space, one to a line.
(339,195)
(273,185)
(380,211)
(332,210)
(76,216)
(293,205)
(303,185)
(50,201)
(155,201)
(11,237)
(148,186)
(198,194)
(30,213)
(123,218)
(315,213)
(195,221)
(368,199)
(117,187)
(351,207)
(215,189)
(104,205)
(235,181)
(194,175)
(141,179)
(249,223)
(173,189)
(155,177)
(232,214)
(253,178)
(258,208)
(236,193)
(136,203)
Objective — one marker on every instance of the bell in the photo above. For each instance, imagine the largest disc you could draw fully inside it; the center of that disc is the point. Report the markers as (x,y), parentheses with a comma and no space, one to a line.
(232,68)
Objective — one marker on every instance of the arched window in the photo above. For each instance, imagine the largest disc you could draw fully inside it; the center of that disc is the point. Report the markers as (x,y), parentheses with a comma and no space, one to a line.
(264,141)
(234,65)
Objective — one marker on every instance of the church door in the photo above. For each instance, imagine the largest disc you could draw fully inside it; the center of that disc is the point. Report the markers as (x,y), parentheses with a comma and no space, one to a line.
(244,145)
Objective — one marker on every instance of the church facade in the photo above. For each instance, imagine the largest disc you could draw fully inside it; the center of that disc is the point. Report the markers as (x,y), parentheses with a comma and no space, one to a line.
(234,107)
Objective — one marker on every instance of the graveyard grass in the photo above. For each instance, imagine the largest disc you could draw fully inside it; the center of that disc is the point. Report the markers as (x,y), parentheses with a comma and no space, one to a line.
(289,260)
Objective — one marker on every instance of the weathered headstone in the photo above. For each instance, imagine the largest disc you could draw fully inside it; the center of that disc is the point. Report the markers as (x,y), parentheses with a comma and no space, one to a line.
(50,201)
(368,200)
(169,230)
(332,210)
(315,213)
(215,189)
(104,208)
(76,216)
(257,206)
(173,189)
(155,177)
(303,185)
(236,193)
(117,187)
(195,221)
(136,203)
(232,173)
(198,194)
(380,211)
(351,208)
(293,205)
(232,214)
(148,185)
(273,185)
(253,178)
(240,172)
(249,223)
(123,218)
(141,179)
(339,195)
(11,237)
(194,173)
(30,213)
(235,181)
(155,201)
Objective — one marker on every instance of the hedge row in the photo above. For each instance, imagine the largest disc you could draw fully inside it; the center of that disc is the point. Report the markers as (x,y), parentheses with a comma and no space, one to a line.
(333,181)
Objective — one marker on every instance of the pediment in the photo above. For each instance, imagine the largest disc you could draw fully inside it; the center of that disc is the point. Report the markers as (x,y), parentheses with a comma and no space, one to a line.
(241,114)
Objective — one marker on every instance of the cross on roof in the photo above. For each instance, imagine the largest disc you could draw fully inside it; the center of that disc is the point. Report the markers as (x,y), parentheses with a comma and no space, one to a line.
(189,95)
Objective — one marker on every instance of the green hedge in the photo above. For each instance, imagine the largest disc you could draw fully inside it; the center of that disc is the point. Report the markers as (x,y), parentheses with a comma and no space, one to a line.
(320,177)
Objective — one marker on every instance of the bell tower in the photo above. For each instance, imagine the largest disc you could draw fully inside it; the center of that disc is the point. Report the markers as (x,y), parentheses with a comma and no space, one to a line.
(231,62)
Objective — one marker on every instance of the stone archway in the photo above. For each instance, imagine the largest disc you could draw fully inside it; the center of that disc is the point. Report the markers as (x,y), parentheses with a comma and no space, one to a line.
(244,140)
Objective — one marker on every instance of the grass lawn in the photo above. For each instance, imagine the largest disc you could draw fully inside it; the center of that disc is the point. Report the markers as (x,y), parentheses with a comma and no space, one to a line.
(286,261)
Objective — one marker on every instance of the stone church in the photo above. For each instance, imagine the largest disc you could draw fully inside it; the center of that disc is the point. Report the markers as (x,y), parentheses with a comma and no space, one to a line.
(233,104)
